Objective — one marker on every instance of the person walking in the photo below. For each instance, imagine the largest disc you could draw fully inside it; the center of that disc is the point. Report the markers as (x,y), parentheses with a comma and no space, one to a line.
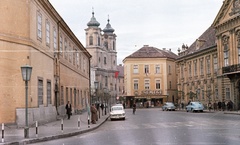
(93,114)
(134,108)
(68,109)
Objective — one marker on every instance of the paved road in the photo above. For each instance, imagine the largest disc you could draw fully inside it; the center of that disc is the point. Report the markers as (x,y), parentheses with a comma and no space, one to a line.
(156,127)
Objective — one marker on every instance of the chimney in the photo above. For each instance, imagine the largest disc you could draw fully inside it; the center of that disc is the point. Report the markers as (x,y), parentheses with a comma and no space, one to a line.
(145,45)
(164,49)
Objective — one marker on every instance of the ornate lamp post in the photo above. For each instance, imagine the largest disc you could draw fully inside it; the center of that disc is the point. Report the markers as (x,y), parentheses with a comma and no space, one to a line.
(26,75)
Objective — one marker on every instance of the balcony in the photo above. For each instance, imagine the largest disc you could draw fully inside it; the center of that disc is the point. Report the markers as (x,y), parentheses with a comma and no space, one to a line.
(230,69)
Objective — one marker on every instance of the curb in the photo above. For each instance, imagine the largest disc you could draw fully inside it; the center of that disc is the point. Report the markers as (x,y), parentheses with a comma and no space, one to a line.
(54,137)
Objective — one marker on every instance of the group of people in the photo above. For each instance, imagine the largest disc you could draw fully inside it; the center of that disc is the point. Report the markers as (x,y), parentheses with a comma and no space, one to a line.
(94,109)
(221,106)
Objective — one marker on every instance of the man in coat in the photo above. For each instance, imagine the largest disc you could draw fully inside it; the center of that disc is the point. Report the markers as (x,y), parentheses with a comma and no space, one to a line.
(93,114)
(68,109)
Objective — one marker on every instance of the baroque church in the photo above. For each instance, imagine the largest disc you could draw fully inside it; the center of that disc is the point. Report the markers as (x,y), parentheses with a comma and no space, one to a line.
(101,44)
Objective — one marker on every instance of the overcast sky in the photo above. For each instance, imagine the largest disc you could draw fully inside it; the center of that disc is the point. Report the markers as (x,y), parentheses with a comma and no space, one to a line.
(157,23)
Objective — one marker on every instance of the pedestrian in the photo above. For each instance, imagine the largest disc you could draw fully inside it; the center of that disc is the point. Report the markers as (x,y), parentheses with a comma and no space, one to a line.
(182,105)
(223,105)
(102,107)
(219,105)
(93,114)
(134,108)
(209,106)
(68,109)
(215,106)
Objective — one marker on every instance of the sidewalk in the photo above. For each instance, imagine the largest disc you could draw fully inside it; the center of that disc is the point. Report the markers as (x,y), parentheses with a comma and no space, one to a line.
(52,130)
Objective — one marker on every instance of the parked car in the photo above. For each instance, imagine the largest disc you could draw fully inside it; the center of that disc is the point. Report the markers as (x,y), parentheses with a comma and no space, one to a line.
(117,112)
(168,106)
(195,106)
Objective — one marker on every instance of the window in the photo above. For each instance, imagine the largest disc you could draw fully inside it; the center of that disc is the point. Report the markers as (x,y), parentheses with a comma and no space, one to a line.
(158,85)
(90,40)
(189,69)
(146,84)
(113,45)
(105,60)
(49,90)
(146,69)
(169,69)
(39,26)
(216,93)
(208,66)
(201,67)
(65,48)
(70,53)
(157,69)
(182,75)
(77,59)
(40,92)
(47,33)
(106,81)
(195,68)
(99,41)
(227,93)
(62,99)
(215,64)
(226,50)
(84,65)
(170,85)
(67,99)
(54,40)
(135,83)
(75,97)
(61,45)
(71,95)
(74,55)
(106,44)
(135,69)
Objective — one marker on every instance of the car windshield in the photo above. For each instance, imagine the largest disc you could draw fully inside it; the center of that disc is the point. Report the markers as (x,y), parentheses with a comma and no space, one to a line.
(169,104)
(117,108)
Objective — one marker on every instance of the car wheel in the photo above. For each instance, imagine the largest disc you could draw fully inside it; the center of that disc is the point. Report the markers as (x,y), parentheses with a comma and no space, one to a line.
(124,118)
(192,110)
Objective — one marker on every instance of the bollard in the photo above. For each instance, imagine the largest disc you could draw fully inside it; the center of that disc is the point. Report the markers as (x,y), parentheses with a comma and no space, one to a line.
(2,132)
(62,125)
(79,122)
(88,122)
(36,129)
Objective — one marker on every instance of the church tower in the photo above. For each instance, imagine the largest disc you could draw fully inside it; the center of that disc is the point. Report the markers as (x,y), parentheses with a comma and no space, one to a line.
(101,44)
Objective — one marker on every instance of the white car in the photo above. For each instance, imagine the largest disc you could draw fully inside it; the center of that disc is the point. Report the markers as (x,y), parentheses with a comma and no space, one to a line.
(117,112)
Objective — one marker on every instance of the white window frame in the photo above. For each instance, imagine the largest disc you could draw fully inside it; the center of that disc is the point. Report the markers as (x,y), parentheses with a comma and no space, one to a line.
(146,84)
(47,33)
(135,69)
(39,25)
(157,69)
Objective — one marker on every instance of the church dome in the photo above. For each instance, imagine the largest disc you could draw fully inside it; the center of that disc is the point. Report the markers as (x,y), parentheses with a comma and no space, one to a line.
(93,21)
(108,28)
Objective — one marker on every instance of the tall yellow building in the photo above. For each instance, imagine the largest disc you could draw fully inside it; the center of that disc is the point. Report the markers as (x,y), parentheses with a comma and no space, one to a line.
(33,33)
(150,77)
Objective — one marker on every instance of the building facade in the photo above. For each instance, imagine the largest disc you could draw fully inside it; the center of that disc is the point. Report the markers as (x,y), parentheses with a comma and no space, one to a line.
(120,84)
(227,25)
(33,33)
(197,69)
(101,44)
(150,77)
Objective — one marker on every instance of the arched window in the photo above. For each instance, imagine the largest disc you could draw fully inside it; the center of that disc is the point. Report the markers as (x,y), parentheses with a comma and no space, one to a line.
(90,40)
(113,45)
(99,41)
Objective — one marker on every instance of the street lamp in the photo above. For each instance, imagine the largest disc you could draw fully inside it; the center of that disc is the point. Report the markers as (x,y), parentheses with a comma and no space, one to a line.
(26,75)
